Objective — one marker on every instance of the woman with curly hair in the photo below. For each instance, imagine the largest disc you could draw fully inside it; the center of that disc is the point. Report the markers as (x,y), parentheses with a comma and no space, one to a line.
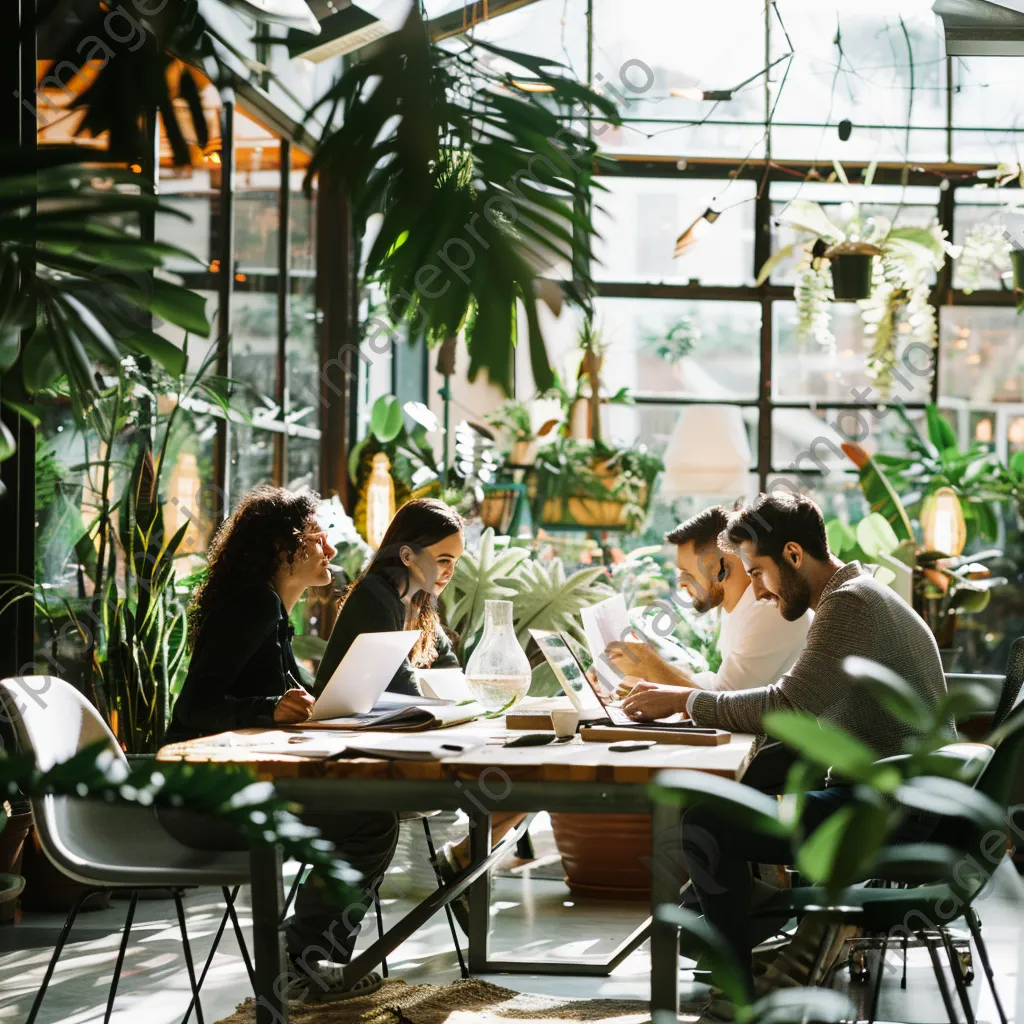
(243,674)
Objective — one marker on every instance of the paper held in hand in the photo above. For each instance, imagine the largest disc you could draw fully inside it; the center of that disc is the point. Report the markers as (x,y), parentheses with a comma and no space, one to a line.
(603,624)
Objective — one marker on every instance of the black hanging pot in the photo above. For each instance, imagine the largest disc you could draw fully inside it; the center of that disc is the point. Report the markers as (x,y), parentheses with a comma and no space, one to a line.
(852,265)
(1017,262)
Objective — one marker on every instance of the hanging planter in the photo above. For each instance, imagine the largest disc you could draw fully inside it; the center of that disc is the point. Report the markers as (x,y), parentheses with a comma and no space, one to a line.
(852,266)
(1017,262)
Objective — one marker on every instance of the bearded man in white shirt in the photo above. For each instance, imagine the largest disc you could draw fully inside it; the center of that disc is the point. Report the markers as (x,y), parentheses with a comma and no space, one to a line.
(756,643)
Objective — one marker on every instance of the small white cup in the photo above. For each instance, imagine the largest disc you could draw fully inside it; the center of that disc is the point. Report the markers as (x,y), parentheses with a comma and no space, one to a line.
(564,721)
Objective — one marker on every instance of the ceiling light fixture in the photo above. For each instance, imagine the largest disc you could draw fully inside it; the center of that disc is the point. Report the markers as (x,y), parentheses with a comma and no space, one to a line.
(695,232)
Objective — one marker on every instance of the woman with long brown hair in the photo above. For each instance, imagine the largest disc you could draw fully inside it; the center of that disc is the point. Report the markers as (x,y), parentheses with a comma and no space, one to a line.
(242,673)
(399,589)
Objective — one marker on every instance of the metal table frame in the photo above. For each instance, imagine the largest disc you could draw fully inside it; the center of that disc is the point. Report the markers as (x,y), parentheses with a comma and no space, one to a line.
(478,800)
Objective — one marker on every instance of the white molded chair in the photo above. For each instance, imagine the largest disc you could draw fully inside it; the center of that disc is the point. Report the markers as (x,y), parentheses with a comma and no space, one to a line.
(106,846)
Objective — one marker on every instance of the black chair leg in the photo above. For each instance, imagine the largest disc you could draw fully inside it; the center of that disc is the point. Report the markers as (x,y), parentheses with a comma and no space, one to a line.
(239,937)
(524,847)
(873,1009)
(186,949)
(432,852)
(903,980)
(296,882)
(129,917)
(958,976)
(940,976)
(380,928)
(63,938)
(229,899)
(974,923)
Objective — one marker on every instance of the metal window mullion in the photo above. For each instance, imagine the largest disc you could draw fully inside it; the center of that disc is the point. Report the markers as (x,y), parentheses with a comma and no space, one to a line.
(226,255)
(284,291)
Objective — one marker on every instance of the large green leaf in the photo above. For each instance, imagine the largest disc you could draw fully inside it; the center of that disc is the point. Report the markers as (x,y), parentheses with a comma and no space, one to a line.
(732,800)
(883,499)
(940,433)
(386,420)
(546,599)
(824,744)
(875,536)
(892,691)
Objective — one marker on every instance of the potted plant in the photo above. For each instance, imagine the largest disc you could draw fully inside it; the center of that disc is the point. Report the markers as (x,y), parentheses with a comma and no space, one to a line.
(514,420)
(887,269)
(987,252)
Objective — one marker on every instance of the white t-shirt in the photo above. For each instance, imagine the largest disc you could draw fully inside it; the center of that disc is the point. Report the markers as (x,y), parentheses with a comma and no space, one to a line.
(757,645)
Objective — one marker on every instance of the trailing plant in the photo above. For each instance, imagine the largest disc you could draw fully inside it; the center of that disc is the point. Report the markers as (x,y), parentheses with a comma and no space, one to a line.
(456,156)
(985,254)
(903,260)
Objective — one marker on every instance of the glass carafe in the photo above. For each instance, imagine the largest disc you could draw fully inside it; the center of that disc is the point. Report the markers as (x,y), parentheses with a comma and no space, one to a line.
(498,671)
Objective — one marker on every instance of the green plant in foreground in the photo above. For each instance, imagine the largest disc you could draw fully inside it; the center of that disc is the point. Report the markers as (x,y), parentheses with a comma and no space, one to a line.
(231,793)
(850,846)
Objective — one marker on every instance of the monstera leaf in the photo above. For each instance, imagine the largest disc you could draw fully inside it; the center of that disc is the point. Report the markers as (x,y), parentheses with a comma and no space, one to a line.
(546,599)
(479,577)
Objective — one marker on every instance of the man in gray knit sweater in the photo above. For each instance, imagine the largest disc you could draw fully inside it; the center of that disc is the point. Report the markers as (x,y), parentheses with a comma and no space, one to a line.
(781,540)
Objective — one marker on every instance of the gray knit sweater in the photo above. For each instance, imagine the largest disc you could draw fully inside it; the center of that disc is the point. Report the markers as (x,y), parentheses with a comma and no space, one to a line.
(856,615)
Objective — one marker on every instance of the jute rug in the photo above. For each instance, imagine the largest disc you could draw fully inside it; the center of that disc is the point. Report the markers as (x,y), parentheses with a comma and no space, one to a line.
(461,1002)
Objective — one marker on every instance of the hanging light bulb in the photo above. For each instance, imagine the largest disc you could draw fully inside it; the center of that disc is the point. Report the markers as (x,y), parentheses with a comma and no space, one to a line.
(380,501)
(942,522)
(695,232)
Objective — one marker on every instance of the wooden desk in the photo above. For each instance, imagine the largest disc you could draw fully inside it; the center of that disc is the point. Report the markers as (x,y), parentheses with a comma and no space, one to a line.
(574,776)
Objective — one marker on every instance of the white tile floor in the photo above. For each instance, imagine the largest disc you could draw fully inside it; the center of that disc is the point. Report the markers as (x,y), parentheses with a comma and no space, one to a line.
(531,917)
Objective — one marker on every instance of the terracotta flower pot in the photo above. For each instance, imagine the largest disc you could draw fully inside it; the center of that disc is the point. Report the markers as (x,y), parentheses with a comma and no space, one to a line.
(605,856)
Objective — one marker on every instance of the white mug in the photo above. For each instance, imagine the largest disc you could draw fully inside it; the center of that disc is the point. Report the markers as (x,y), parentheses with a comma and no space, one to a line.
(564,721)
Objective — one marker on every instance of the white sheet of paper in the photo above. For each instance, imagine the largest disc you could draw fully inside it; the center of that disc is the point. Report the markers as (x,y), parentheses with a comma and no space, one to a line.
(603,624)
(444,683)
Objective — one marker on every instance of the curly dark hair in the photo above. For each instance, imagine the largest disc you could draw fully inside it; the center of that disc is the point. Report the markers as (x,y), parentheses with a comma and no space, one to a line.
(245,552)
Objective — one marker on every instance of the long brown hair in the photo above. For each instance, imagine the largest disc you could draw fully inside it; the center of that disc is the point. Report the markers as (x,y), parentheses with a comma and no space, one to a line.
(246,550)
(418,524)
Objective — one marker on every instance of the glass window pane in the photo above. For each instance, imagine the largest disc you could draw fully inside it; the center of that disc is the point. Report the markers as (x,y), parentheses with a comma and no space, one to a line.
(858,61)
(303,216)
(837,494)
(556,29)
(302,356)
(980,216)
(303,463)
(653,425)
(697,349)
(811,439)
(254,348)
(252,459)
(986,94)
(639,219)
(666,512)
(982,353)
(803,369)
(257,196)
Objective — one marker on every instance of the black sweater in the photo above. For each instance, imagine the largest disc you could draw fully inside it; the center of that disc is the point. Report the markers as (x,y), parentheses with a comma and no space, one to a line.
(241,665)
(374,606)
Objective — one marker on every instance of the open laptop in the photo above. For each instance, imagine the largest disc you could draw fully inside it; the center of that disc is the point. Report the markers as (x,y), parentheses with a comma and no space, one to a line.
(369,665)
(574,668)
